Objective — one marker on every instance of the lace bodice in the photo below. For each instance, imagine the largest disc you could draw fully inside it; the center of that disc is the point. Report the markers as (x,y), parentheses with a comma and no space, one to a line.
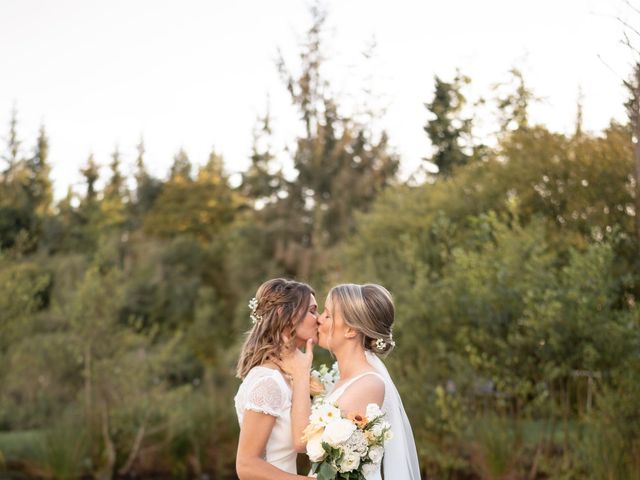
(264,390)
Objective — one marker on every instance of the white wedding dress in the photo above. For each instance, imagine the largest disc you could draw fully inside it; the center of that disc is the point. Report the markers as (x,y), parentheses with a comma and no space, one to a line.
(265,390)
(400,461)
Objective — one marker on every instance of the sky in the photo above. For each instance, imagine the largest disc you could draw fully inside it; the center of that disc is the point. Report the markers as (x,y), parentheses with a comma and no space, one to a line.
(196,74)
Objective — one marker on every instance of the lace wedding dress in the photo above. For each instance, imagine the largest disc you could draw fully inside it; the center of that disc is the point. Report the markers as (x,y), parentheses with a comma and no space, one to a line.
(265,390)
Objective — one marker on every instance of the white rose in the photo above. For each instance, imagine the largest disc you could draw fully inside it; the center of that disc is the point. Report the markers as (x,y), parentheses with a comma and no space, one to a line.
(370,468)
(388,435)
(314,448)
(337,432)
(373,411)
(377,429)
(349,462)
(375,453)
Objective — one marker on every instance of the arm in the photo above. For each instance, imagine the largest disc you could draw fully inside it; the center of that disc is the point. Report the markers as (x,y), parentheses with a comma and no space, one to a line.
(254,434)
(300,411)
(299,366)
(366,390)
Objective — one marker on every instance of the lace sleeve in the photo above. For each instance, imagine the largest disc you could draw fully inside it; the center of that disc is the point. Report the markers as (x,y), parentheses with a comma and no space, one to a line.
(265,395)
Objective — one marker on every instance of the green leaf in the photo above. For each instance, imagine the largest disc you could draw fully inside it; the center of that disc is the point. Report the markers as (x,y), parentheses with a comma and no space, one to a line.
(327,472)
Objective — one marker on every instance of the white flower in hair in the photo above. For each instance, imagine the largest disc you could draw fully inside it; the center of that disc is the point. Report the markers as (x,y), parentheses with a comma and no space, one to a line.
(253,305)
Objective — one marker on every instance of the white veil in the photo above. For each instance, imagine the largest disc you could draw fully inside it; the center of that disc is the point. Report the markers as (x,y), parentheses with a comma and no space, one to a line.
(400,456)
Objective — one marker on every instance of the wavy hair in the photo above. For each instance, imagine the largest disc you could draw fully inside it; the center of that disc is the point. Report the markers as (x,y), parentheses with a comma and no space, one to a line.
(281,306)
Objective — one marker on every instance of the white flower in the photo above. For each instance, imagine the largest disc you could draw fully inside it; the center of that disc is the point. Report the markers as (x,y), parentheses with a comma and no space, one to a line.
(314,448)
(373,411)
(375,453)
(370,468)
(379,428)
(388,435)
(324,413)
(338,431)
(349,462)
(356,443)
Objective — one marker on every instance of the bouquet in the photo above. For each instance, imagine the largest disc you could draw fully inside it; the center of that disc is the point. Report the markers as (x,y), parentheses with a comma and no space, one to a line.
(345,448)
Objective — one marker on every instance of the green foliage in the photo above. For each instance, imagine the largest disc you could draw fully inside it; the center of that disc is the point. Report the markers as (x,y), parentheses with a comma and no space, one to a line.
(448,131)
(515,280)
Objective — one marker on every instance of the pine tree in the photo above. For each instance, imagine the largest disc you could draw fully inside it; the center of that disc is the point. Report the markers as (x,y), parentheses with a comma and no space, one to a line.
(39,181)
(181,167)
(147,187)
(91,174)
(449,131)
(114,190)
(261,182)
(513,105)
(340,165)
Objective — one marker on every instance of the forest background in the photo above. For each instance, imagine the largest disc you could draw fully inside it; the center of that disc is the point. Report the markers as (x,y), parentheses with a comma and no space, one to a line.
(514,266)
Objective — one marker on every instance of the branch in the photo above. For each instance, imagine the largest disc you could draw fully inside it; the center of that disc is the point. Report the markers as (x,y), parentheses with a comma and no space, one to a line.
(628,26)
(627,43)
(134,451)
(611,69)
(631,6)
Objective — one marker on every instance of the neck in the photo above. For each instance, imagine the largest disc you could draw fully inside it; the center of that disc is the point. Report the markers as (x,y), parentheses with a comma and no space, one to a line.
(351,360)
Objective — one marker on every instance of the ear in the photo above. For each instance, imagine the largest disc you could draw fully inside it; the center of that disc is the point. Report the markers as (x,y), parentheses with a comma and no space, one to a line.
(350,333)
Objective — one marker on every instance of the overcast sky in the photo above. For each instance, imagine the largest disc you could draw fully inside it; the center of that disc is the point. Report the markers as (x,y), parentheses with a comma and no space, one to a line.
(197,73)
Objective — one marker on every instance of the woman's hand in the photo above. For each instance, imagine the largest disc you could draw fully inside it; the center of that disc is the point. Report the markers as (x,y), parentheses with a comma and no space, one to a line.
(298,363)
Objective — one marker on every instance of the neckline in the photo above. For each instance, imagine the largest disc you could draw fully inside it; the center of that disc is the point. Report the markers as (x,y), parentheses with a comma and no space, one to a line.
(345,385)
(278,374)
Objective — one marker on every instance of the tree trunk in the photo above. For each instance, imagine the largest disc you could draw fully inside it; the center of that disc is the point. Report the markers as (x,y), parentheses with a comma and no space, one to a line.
(636,149)
(87,381)
(106,472)
(137,443)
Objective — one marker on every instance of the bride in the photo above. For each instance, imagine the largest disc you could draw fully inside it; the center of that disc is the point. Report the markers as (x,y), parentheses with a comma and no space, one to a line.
(284,314)
(356,327)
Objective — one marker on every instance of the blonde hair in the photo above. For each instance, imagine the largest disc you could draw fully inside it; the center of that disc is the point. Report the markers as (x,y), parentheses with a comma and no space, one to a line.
(369,309)
(281,305)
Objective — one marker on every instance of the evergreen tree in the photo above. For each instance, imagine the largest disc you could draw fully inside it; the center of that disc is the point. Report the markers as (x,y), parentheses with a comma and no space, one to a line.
(261,182)
(91,174)
(39,181)
(115,188)
(181,167)
(113,212)
(341,166)
(513,104)
(147,187)
(449,131)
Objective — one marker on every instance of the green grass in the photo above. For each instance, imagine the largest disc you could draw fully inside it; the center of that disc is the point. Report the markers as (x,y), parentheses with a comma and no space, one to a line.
(25,445)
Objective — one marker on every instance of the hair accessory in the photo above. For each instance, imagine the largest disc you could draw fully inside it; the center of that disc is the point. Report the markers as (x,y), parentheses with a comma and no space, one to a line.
(253,305)
(381,344)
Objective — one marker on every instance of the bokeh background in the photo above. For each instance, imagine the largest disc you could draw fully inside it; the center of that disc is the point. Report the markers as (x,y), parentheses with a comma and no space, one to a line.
(479,160)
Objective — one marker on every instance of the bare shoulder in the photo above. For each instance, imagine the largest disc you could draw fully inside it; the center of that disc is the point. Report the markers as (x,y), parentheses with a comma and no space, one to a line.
(365,390)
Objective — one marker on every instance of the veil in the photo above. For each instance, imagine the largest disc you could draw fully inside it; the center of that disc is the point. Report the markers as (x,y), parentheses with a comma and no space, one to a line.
(400,456)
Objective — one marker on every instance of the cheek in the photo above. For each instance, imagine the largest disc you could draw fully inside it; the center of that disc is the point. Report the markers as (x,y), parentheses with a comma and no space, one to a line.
(311,322)
(325,326)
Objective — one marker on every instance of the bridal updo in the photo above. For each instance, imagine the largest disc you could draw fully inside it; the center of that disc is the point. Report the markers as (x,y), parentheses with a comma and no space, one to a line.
(369,309)
(276,311)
